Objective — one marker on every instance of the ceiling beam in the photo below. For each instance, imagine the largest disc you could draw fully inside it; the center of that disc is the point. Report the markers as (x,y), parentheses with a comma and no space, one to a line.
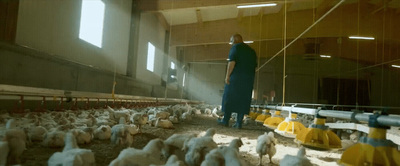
(163,5)
(298,21)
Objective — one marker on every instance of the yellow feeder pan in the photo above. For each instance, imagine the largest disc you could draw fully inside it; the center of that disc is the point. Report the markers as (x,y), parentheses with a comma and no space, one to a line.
(372,150)
(273,122)
(265,114)
(289,127)
(256,113)
(319,137)
(252,112)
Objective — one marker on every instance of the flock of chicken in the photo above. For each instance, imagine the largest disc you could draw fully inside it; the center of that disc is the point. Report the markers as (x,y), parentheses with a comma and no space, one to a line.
(70,128)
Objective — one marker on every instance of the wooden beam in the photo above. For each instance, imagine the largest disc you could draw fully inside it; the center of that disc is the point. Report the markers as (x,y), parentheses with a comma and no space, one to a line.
(218,31)
(199,17)
(162,5)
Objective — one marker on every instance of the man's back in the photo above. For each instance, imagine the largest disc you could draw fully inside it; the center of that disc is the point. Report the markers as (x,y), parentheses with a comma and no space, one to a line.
(245,58)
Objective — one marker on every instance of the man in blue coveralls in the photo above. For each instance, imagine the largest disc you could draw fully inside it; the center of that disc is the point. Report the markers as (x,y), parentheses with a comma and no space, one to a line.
(239,81)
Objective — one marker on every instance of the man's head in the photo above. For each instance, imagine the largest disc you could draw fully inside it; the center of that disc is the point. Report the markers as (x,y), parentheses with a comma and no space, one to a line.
(236,38)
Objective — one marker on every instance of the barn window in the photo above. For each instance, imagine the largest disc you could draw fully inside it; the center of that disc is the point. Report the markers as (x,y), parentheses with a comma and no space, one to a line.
(150,57)
(92,19)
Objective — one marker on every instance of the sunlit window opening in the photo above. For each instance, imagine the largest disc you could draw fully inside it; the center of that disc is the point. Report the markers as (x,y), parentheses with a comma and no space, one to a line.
(184,77)
(92,19)
(150,57)
(172,65)
(173,74)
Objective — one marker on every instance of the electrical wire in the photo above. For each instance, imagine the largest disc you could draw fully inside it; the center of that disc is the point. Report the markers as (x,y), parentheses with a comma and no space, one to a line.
(284,55)
(305,31)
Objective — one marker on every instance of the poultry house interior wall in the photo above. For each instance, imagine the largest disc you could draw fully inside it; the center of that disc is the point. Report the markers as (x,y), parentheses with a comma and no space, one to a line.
(25,67)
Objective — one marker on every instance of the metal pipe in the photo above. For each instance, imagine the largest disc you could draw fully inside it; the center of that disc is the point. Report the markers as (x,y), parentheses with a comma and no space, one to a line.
(304,32)
(355,116)
(12,92)
(343,106)
(382,120)
(344,115)
(294,109)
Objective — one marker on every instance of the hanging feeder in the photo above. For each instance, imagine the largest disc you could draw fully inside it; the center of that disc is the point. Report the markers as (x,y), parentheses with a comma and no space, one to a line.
(318,136)
(273,122)
(256,113)
(290,127)
(252,111)
(374,149)
(265,114)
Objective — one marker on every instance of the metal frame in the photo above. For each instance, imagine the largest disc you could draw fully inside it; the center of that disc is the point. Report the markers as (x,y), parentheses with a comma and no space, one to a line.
(354,116)
(21,93)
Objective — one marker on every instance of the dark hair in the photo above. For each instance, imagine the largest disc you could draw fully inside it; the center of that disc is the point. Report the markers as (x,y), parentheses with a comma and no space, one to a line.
(237,38)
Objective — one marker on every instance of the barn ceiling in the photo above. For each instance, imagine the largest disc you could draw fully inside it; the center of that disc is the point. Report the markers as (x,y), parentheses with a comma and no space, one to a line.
(196,24)
(178,12)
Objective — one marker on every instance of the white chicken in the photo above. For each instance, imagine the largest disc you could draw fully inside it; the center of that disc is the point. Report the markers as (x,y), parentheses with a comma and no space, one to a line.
(83,136)
(207,111)
(72,154)
(3,152)
(150,154)
(11,123)
(122,113)
(225,155)
(132,129)
(120,134)
(165,124)
(139,119)
(210,132)
(186,116)
(172,161)
(54,139)
(231,153)
(197,111)
(177,112)
(299,160)
(266,145)
(355,136)
(103,132)
(217,112)
(175,143)
(162,114)
(197,148)
(36,133)
(214,158)
(89,121)
(174,119)
(16,139)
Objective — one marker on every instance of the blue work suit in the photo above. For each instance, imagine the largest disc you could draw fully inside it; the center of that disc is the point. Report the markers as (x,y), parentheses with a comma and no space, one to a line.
(237,95)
